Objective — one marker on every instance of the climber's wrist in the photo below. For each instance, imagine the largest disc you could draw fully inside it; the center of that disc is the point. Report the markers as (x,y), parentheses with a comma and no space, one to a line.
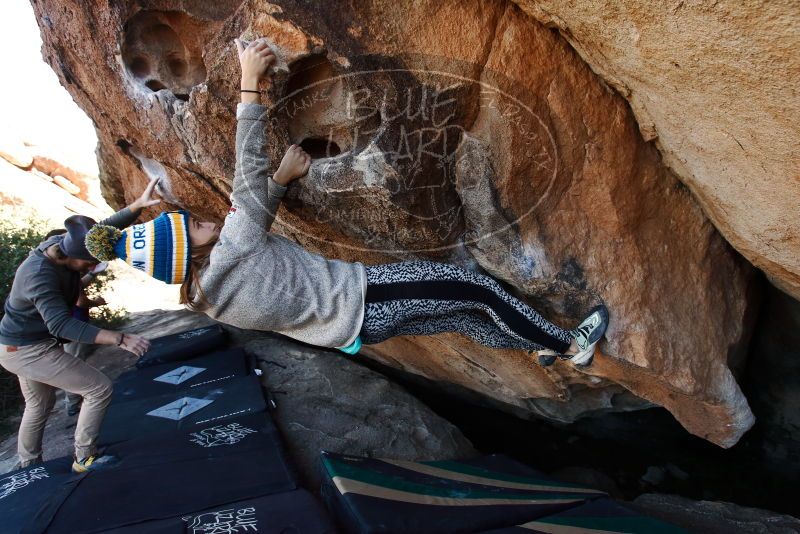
(248,96)
(250,82)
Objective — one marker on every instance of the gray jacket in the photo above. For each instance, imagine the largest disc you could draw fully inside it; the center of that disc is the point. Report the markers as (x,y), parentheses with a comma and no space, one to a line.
(40,303)
(263,281)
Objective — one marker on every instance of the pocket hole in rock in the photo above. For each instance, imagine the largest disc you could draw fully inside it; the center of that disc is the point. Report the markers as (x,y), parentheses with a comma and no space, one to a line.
(124,145)
(320,148)
(308,72)
(177,66)
(155,85)
(140,67)
(164,50)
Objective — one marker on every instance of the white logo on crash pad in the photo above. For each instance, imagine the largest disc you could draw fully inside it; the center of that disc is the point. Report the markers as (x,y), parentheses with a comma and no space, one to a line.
(193,333)
(229,434)
(12,483)
(227,521)
(179,375)
(180,408)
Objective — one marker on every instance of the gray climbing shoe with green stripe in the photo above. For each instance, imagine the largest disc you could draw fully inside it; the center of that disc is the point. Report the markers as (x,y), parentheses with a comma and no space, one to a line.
(588,334)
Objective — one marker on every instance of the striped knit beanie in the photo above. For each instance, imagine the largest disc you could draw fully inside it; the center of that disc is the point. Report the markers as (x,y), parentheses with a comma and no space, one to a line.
(159,248)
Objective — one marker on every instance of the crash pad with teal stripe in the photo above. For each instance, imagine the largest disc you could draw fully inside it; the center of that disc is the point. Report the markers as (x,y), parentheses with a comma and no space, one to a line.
(373,495)
(439,483)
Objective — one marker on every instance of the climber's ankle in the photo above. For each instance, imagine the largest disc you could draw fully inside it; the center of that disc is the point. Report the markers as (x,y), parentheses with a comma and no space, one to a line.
(573,348)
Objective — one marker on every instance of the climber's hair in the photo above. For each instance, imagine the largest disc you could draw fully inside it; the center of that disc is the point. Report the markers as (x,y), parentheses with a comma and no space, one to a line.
(55,232)
(192,295)
(60,254)
(58,231)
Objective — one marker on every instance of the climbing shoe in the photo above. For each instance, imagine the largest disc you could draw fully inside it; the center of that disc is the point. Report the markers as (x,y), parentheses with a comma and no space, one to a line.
(93,463)
(582,359)
(588,334)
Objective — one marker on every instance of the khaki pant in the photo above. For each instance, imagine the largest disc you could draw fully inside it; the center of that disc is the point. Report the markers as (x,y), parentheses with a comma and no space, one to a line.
(42,368)
(72,401)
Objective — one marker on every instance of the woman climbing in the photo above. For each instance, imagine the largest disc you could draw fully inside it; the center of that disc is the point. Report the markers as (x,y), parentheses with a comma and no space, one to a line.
(246,276)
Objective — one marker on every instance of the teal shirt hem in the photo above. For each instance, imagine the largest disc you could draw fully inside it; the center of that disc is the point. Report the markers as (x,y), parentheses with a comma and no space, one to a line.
(353,347)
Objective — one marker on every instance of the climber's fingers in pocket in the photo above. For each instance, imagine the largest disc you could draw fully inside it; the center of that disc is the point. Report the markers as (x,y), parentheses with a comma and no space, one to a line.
(264,51)
(268,57)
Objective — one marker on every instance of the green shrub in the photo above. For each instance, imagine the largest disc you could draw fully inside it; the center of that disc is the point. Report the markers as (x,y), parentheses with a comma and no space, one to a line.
(19,233)
(17,238)
(108,316)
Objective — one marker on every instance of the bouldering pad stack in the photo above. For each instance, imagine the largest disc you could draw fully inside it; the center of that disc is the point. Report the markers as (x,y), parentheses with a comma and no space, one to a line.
(195,452)
(180,474)
(182,409)
(290,512)
(211,368)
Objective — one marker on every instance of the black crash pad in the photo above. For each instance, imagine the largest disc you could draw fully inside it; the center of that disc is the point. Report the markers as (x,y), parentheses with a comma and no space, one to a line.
(28,495)
(209,403)
(218,438)
(371,495)
(178,474)
(211,368)
(183,345)
(293,512)
(603,516)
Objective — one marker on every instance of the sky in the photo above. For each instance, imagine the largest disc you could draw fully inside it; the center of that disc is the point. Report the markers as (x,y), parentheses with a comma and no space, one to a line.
(34,107)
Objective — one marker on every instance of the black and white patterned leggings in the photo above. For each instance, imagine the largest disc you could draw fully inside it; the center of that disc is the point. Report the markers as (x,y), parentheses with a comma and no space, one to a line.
(425,297)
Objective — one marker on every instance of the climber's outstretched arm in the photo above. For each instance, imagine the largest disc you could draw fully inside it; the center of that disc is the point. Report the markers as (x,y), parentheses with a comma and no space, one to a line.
(255,196)
(255,59)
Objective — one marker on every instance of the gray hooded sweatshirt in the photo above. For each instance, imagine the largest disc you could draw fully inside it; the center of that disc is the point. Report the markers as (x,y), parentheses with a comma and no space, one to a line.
(259,280)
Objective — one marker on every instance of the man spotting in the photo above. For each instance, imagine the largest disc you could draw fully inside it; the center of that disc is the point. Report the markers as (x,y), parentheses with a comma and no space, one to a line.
(38,322)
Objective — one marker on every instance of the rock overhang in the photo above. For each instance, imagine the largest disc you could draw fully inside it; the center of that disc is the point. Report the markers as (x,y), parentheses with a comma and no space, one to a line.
(546,183)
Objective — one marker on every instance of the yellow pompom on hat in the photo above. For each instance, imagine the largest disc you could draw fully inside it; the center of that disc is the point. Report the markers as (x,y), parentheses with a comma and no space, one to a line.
(159,248)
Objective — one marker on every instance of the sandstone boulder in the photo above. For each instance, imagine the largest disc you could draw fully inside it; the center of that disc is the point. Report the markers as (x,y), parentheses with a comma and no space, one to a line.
(37,193)
(42,176)
(66,185)
(15,152)
(715,85)
(76,182)
(325,402)
(460,131)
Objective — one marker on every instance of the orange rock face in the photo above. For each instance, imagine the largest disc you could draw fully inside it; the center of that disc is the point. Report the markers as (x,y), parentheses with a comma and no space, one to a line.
(465,132)
(714,85)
